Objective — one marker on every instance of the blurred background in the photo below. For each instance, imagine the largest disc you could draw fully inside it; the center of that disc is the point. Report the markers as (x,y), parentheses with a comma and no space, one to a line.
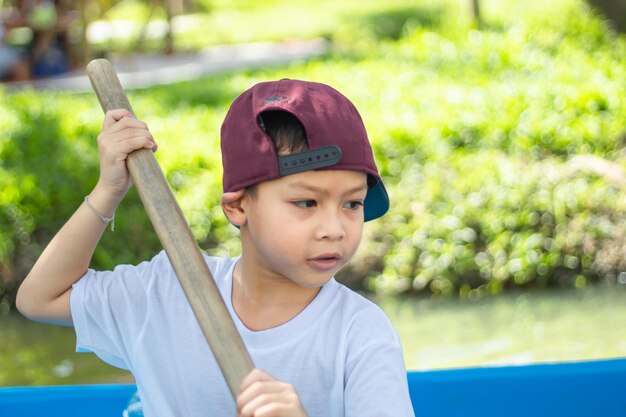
(499,127)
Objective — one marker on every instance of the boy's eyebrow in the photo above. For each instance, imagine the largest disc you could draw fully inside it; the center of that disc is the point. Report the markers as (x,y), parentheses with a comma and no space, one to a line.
(321,190)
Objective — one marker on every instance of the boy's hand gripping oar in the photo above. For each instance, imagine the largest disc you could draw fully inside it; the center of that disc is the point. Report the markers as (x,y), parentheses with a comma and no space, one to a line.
(177,239)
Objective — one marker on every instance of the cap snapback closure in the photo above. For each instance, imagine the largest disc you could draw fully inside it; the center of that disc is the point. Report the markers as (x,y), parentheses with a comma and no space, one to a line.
(309,160)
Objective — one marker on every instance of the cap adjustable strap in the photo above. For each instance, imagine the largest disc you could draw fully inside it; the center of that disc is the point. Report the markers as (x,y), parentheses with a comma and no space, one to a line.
(308,160)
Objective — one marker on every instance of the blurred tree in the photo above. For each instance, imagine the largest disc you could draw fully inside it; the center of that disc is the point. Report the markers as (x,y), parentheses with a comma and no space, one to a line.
(91,10)
(476,11)
(613,10)
(172,8)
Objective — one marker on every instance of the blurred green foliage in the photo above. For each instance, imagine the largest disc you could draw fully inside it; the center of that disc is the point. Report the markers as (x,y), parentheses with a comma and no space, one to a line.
(474,131)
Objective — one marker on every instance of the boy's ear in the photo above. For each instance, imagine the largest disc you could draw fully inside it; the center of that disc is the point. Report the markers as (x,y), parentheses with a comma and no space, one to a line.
(231,204)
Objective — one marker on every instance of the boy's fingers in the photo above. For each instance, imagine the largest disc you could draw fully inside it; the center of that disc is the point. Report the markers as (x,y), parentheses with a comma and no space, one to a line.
(112,116)
(253,384)
(137,142)
(127,146)
(258,389)
(254,376)
(269,398)
(110,140)
(126,123)
(129,133)
(266,401)
(263,395)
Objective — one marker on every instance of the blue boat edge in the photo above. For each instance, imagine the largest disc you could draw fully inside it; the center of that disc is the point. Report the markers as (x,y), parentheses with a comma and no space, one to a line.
(583,388)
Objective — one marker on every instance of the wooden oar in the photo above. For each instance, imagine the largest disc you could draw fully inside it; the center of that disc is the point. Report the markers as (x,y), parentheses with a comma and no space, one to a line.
(177,240)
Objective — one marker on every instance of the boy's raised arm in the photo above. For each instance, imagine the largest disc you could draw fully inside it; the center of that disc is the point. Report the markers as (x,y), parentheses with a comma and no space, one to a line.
(45,293)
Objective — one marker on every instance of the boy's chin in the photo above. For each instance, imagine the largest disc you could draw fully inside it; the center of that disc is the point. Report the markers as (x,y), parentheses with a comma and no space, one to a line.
(311,282)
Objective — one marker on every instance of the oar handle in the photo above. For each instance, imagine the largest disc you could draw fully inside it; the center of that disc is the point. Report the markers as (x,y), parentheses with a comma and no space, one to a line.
(177,240)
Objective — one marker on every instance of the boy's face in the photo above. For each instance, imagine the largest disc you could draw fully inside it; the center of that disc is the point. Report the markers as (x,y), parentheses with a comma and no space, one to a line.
(304,227)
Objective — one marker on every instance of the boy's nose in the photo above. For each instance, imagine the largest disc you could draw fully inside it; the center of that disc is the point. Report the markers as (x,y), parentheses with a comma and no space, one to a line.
(331,227)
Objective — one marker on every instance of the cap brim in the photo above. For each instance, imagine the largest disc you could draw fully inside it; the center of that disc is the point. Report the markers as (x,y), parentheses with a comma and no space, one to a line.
(376,201)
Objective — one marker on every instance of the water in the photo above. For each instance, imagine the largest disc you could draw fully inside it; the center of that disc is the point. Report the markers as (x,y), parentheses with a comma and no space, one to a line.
(38,354)
(545,326)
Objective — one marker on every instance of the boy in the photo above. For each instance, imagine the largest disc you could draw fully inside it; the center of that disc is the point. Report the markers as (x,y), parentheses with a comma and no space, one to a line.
(299,181)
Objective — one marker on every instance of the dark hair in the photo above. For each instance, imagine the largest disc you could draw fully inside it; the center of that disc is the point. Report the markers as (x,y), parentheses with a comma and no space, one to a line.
(286,132)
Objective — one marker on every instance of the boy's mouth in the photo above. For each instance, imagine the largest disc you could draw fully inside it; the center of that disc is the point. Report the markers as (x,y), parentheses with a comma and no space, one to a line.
(325,261)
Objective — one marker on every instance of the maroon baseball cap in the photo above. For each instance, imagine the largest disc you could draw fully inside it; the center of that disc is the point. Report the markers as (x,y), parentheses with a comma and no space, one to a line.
(334,130)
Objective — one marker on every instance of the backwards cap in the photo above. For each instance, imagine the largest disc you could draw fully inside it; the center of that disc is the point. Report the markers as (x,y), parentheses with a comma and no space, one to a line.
(334,130)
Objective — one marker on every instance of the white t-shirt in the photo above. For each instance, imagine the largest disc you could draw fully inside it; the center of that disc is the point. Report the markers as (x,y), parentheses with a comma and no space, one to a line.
(340,353)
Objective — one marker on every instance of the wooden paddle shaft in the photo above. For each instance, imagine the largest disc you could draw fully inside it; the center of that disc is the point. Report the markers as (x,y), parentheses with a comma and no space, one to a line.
(177,240)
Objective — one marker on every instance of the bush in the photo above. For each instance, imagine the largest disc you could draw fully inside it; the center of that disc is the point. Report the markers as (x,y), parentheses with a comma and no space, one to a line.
(48,163)
(485,221)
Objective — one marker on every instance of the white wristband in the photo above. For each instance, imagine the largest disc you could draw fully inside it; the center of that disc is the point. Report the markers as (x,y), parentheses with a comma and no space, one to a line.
(105,220)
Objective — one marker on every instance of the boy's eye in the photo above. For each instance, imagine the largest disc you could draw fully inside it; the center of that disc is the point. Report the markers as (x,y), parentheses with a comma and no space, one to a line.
(354,205)
(305,203)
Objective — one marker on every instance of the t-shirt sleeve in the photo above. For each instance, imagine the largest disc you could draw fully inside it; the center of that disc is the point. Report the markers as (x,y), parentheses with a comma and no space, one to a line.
(375,380)
(109,308)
